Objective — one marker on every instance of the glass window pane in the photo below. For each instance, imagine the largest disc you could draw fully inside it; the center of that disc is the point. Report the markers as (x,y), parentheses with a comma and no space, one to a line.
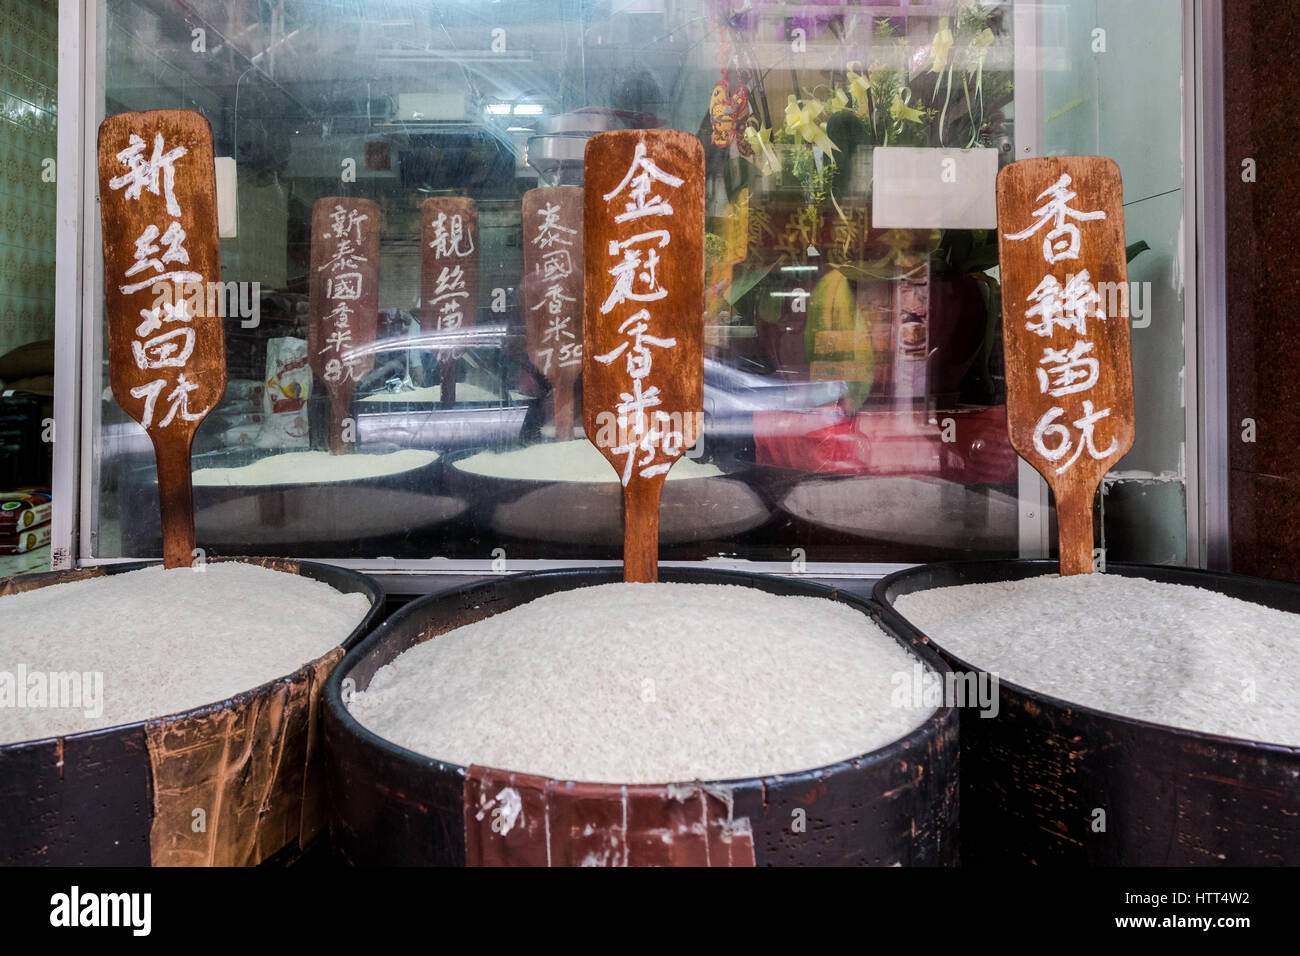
(854,394)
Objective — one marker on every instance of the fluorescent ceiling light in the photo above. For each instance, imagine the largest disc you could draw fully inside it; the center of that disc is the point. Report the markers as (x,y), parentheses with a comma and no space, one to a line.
(520,109)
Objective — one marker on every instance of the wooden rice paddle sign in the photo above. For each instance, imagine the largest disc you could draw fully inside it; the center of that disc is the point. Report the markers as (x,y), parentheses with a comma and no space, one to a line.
(344,302)
(1065,327)
(166,350)
(643,318)
(448,275)
(552,287)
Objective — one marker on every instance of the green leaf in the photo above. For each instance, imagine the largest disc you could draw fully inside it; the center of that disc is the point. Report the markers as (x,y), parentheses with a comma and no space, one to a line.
(736,176)
(981,258)
(1132,252)
(745,278)
(865,270)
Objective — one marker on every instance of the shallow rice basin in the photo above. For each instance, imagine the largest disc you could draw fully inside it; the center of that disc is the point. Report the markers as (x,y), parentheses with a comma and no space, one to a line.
(567,718)
(315,467)
(1147,715)
(316,502)
(568,492)
(168,716)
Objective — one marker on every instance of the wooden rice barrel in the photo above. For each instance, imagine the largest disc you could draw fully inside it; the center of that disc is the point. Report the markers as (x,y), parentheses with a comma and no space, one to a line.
(390,806)
(1034,775)
(126,795)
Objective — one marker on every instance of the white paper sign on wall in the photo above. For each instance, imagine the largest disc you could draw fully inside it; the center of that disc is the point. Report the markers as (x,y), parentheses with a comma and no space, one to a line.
(227,198)
(925,188)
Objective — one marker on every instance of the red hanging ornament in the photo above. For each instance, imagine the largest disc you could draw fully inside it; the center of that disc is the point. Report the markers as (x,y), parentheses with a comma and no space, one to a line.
(728,113)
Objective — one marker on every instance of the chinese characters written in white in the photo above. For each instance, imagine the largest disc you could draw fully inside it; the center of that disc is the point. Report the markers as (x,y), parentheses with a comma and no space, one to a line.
(451,240)
(165,337)
(559,340)
(344,283)
(645,429)
(1056,308)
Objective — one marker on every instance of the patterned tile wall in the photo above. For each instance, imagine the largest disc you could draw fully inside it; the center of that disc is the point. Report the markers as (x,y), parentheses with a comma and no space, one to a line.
(28,89)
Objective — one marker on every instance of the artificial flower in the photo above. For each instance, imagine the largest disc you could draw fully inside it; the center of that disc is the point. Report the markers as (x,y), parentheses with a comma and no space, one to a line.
(805,121)
(759,139)
(859,87)
(900,111)
(980,45)
(838,100)
(941,46)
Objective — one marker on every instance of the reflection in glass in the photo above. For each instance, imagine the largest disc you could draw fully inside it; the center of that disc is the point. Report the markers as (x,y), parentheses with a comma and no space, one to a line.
(853,382)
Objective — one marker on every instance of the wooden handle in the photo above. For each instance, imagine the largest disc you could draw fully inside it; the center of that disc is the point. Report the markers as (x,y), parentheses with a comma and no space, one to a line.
(562,396)
(641,531)
(447,392)
(175,500)
(340,410)
(1074,530)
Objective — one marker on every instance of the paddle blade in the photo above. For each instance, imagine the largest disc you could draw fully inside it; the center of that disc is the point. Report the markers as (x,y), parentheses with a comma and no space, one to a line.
(643,365)
(552,292)
(643,320)
(158,213)
(344,301)
(1065,331)
(164,299)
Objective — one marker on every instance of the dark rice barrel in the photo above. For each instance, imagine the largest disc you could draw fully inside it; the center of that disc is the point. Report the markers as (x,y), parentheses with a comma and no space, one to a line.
(391,806)
(1034,776)
(126,795)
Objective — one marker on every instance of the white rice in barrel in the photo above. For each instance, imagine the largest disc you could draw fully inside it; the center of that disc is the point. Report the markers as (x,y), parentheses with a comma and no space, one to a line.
(161,642)
(315,467)
(1175,655)
(565,461)
(650,683)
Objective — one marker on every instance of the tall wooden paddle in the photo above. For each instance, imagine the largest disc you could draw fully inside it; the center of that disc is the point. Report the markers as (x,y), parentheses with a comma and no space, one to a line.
(552,292)
(344,302)
(449,274)
(643,318)
(1065,330)
(166,351)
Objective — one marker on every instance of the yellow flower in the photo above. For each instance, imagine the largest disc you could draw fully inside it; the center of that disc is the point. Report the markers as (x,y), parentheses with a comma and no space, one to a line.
(837,101)
(858,85)
(980,45)
(859,88)
(941,45)
(805,121)
(899,110)
(760,141)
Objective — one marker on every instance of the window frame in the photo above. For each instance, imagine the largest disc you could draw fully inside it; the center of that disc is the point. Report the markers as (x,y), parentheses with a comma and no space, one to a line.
(79,287)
